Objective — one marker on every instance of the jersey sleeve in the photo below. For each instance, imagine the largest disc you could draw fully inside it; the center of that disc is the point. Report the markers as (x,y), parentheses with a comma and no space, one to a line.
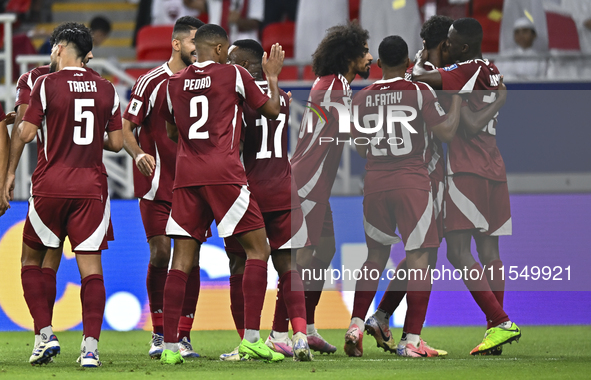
(459,78)
(2,114)
(37,103)
(166,107)
(433,113)
(246,87)
(23,91)
(114,123)
(139,103)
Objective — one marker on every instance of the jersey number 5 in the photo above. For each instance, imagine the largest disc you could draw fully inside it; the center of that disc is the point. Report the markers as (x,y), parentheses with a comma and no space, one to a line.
(265,152)
(193,110)
(88,117)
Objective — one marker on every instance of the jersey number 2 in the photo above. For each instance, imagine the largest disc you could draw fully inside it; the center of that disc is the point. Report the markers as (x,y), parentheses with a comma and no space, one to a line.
(193,110)
(88,117)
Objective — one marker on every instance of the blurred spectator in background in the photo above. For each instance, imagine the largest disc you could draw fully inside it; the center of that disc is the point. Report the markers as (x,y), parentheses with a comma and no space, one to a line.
(534,11)
(166,12)
(384,18)
(522,62)
(312,20)
(278,11)
(242,19)
(100,27)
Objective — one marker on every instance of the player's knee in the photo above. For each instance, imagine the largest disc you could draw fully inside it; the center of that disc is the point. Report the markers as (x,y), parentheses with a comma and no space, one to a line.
(159,258)
(237,264)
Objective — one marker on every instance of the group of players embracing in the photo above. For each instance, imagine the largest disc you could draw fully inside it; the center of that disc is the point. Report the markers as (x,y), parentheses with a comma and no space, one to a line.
(187,124)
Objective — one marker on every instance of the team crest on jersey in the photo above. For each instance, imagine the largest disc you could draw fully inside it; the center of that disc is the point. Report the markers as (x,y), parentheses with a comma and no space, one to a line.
(134,107)
(450,68)
(18,91)
(439,109)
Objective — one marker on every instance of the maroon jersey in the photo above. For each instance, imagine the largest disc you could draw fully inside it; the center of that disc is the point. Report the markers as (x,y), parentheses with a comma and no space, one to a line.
(25,84)
(476,154)
(265,156)
(397,157)
(73,107)
(205,102)
(315,165)
(147,96)
(2,114)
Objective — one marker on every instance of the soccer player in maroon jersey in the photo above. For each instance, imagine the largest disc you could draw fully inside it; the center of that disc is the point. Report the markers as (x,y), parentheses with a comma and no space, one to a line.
(204,112)
(338,59)
(434,35)
(67,192)
(476,196)
(52,258)
(155,155)
(269,178)
(397,190)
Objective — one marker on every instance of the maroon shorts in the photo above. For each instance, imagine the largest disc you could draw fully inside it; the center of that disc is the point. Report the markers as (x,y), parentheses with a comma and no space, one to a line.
(318,217)
(195,208)
(437,190)
(411,210)
(50,220)
(474,202)
(286,229)
(155,215)
(105,185)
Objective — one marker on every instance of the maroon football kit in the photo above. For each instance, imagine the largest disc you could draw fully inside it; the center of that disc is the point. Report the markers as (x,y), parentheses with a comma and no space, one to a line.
(476,194)
(68,182)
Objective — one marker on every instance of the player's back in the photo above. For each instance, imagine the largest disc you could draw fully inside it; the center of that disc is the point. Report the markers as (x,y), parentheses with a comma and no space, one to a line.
(205,100)
(315,165)
(265,156)
(73,107)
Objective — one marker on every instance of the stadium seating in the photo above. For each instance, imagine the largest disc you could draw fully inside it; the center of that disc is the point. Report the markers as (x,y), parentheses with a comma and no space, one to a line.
(153,43)
(281,32)
(562,32)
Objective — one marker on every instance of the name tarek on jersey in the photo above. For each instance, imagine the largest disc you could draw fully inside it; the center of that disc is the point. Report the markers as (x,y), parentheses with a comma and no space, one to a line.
(197,84)
(383,99)
(79,86)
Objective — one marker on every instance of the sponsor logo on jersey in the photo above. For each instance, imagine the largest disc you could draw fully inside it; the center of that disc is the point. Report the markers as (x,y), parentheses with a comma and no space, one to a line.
(134,107)
(439,109)
(450,68)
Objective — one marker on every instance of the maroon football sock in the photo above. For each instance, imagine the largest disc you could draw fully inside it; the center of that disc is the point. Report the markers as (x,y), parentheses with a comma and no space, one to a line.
(365,289)
(496,281)
(50,288)
(485,298)
(292,289)
(237,303)
(190,304)
(174,295)
(93,307)
(254,285)
(155,281)
(417,297)
(395,292)
(313,286)
(281,318)
(35,296)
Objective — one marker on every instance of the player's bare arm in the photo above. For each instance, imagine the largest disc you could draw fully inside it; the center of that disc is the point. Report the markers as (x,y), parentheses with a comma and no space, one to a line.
(113,141)
(420,74)
(16,150)
(172,132)
(272,67)
(4,150)
(27,131)
(447,130)
(144,162)
(473,122)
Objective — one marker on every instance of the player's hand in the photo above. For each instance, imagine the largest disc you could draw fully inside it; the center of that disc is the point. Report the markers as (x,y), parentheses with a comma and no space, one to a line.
(272,66)
(10,118)
(290,97)
(145,164)
(8,191)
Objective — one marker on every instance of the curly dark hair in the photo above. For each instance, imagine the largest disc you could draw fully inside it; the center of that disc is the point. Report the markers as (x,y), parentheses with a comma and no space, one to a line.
(435,30)
(342,45)
(77,34)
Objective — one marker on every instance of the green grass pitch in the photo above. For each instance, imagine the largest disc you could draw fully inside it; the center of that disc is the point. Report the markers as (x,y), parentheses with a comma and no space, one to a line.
(542,353)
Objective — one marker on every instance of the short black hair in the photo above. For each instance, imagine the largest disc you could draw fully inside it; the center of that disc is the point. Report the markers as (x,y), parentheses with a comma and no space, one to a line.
(252,47)
(470,31)
(58,29)
(100,23)
(342,45)
(185,24)
(393,51)
(79,36)
(210,33)
(435,30)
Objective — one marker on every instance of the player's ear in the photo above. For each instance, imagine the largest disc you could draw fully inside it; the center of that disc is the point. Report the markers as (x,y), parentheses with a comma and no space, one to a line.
(407,62)
(465,48)
(379,63)
(176,45)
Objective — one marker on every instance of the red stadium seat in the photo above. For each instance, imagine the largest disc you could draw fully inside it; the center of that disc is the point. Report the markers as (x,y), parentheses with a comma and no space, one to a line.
(562,32)
(282,33)
(375,72)
(153,43)
(308,73)
(354,9)
(289,73)
(136,73)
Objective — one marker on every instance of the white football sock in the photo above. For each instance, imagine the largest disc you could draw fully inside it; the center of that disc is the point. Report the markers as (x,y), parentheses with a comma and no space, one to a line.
(381,316)
(37,339)
(310,329)
(91,345)
(505,325)
(357,321)
(280,336)
(252,336)
(46,333)
(174,347)
(413,339)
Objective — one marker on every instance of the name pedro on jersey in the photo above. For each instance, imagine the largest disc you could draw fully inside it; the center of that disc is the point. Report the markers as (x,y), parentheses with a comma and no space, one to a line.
(82,86)
(197,84)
